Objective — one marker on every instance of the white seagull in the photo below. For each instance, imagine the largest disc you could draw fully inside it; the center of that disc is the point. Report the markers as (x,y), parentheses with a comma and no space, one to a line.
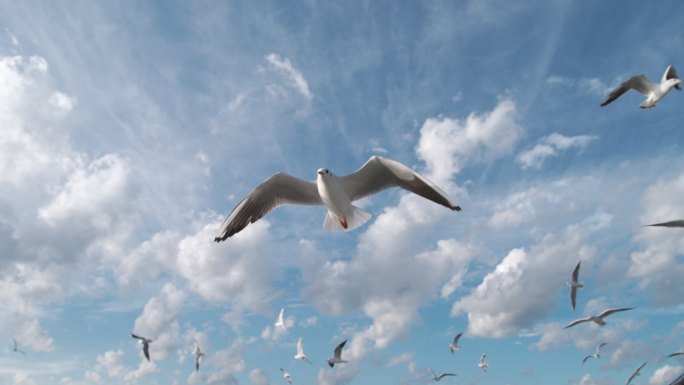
(574,285)
(483,363)
(597,354)
(198,356)
(454,344)
(653,91)
(337,355)
(300,351)
(440,376)
(336,193)
(599,319)
(145,345)
(286,375)
(280,322)
(635,373)
(16,347)
(677,223)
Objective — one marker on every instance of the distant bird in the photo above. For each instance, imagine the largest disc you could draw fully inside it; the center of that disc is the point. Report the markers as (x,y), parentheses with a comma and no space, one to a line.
(198,356)
(635,373)
(440,376)
(454,344)
(145,345)
(286,375)
(598,318)
(336,193)
(16,347)
(677,223)
(280,322)
(653,91)
(483,363)
(574,285)
(337,355)
(674,354)
(300,351)
(596,355)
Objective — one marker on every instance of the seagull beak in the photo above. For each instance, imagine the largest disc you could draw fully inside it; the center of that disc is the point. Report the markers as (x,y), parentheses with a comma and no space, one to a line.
(320,173)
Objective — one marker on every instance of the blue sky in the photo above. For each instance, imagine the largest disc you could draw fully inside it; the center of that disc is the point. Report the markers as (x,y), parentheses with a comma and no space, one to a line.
(131,129)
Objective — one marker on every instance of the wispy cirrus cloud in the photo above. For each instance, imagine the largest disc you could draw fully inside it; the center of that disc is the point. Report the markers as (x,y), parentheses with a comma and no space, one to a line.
(291,74)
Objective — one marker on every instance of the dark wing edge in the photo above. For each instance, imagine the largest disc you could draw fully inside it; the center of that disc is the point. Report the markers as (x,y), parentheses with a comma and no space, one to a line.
(380,173)
(635,82)
(277,190)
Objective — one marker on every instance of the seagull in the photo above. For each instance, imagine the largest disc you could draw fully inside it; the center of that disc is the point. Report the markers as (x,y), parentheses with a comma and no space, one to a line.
(574,285)
(675,354)
(440,376)
(454,344)
(286,375)
(336,193)
(595,355)
(677,223)
(198,356)
(281,320)
(337,359)
(16,347)
(599,319)
(300,352)
(483,364)
(635,373)
(653,91)
(145,345)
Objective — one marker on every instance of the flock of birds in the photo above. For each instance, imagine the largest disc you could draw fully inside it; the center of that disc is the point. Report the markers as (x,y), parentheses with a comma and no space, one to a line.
(377,174)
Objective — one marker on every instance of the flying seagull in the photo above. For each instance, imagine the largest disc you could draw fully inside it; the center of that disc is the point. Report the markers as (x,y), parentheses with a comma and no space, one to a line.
(336,193)
(653,91)
(675,354)
(454,344)
(300,351)
(440,376)
(281,320)
(574,285)
(286,375)
(677,223)
(198,356)
(483,363)
(595,355)
(635,373)
(599,319)
(337,357)
(16,348)
(145,345)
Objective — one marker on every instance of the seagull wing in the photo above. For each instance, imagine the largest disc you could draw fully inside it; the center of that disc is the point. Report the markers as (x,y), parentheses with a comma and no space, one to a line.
(675,354)
(608,312)
(483,358)
(598,348)
(381,173)
(146,350)
(586,358)
(277,190)
(635,373)
(639,83)
(338,350)
(442,375)
(575,273)
(456,338)
(677,223)
(573,296)
(578,321)
(138,337)
(300,348)
(671,73)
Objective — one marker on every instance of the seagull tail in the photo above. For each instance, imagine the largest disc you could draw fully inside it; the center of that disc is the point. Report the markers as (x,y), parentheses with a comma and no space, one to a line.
(352,221)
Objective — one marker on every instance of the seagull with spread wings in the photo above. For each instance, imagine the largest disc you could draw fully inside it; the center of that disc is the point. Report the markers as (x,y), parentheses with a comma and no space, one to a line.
(675,223)
(483,363)
(574,285)
(653,91)
(438,377)
(336,193)
(598,319)
(300,351)
(454,344)
(16,348)
(337,355)
(145,345)
(595,355)
(635,373)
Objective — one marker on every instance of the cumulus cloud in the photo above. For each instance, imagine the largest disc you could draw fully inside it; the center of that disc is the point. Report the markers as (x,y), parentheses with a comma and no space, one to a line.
(259,377)
(159,322)
(549,146)
(665,375)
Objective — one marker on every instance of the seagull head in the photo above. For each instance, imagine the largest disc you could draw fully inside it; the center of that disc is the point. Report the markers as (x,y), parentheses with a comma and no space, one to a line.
(324,171)
(677,83)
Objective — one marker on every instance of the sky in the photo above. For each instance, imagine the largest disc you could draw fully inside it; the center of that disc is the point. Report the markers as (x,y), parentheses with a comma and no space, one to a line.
(129,130)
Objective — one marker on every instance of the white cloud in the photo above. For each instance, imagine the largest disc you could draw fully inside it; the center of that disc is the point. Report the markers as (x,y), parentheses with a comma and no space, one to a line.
(230,361)
(551,146)
(592,86)
(291,74)
(159,322)
(259,377)
(665,375)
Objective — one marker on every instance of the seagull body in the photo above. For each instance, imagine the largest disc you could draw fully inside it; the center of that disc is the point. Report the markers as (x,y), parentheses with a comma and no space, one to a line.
(454,344)
(574,285)
(653,91)
(300,351)
(635,373)
(438,377)
(145,345)
(677,223)
(336,193)
(286,375)
(280,322)
(337,355)
(599,319)
(16,347)
(483,363)
(198,356)
(595,355)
